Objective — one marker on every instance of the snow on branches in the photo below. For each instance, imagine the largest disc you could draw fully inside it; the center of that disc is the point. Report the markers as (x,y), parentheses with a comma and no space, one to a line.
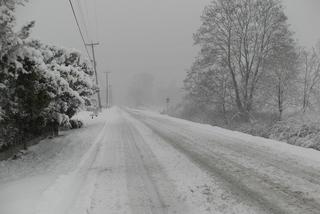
(40,85)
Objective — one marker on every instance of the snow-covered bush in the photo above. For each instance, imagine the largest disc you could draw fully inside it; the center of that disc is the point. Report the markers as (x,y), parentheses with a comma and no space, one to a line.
(73,76)
(300,130)
(76,124)
(41,86)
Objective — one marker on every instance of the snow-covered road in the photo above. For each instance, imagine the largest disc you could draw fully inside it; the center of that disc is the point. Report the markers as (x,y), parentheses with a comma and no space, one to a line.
(131,161)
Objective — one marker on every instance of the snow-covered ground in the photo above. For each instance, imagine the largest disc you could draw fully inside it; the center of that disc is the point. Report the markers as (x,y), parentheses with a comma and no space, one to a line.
(131,161)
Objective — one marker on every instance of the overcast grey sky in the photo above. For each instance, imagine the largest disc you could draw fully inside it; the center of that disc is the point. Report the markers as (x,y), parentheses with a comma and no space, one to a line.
(153,36)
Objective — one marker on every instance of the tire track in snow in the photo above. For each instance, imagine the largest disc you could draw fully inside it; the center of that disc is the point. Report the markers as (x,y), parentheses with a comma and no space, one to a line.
(110,192)
(69,185)
(249,185)
(295,175)
(143,192)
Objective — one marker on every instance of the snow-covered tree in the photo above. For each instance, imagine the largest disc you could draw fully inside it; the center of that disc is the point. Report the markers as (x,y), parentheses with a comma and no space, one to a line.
(11,44)
(41,86)
(75,74)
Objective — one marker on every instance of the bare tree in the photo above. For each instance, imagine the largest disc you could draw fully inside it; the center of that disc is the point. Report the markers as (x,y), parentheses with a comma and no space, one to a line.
(209,86)
(282,65)
(240,35)
(310,75)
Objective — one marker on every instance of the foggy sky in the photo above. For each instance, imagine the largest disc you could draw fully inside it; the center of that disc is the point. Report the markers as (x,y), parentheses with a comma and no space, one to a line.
(144,36)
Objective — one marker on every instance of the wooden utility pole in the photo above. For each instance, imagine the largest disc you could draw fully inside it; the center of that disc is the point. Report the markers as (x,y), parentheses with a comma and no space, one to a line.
(110,95)
(95,68)
(167,102)
(107,89)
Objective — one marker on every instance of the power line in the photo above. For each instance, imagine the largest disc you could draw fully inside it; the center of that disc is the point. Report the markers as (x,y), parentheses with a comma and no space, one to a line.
(85,45)
(83,19)
(86,11)
(96,18)
(76,19)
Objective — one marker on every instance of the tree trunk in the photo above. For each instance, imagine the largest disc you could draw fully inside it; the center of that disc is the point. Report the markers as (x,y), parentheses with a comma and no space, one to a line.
(56,129)
(280,101)
(24,141)
(233,75)
(225,114)
(245,116)
(54,126)
(305,86)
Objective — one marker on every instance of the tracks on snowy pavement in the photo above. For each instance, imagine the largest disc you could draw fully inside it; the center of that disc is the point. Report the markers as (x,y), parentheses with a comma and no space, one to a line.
(248,185)
(141,162)
(133,181)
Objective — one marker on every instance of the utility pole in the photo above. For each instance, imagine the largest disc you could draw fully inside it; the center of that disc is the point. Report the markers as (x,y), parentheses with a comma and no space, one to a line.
(107,89)
(95,68)
(110,95)
(167,102)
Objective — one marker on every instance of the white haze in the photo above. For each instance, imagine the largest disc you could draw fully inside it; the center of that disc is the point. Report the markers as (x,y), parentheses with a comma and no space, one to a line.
(144,36)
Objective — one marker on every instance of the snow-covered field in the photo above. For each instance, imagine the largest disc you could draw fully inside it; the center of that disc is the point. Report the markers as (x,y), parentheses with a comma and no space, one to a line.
(131,161)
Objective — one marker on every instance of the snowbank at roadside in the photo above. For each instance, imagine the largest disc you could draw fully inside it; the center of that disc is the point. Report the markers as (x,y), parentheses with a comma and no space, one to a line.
(301,153)
(48,173)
